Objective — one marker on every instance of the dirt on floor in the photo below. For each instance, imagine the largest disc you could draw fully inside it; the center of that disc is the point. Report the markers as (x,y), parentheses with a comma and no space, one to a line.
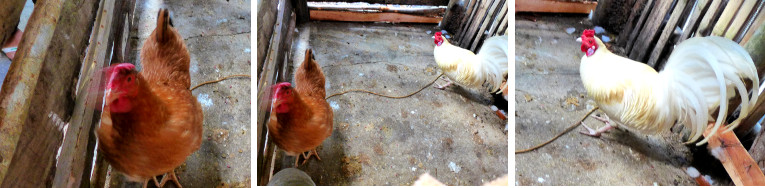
(217,34)
(451,134)
(550,97)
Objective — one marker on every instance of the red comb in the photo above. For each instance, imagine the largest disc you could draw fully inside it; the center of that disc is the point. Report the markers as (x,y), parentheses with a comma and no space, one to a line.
(588,33)
(438,33)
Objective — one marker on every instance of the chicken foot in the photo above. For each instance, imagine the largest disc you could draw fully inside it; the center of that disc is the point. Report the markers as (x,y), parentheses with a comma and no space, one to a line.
(307,156)
(597,133)
(448,83)
(164,180)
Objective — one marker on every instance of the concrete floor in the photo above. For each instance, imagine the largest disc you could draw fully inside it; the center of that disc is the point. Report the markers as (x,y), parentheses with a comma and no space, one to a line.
(550,97)
(452,133)
(217,34)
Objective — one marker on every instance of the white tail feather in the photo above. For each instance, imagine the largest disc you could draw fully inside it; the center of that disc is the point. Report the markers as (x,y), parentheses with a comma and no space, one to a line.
(493,66)
(700,76)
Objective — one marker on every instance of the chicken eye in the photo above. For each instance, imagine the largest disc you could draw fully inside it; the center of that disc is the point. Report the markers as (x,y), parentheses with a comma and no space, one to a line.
(129,78)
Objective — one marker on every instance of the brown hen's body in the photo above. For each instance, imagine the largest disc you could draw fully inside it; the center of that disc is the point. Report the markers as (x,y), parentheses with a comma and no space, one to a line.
(310,121)
(164,126)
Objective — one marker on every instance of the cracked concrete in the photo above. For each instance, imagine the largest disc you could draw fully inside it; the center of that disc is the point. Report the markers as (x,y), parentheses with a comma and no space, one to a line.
(217,34)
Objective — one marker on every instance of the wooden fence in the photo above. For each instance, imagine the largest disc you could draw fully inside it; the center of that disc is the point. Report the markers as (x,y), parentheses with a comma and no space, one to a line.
(64,46)
(475,20)
(654,26)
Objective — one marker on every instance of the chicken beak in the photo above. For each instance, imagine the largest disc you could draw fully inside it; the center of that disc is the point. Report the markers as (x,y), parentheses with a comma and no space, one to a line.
(579,39)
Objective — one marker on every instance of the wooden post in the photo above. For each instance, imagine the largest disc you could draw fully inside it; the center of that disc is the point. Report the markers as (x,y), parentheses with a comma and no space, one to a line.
(266,20)
(10,13)
(75,160)
(301,10)
(42,75)
(272,68)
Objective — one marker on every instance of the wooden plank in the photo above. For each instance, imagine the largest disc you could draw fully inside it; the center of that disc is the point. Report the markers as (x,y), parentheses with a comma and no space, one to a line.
(479,36)
(265,22)
(10,13)
(708,16)
(631,22)
(666,33)
(19,85)
(61,29)
(641,22)
(693,21)
(472,30)
(371,17)
(742,169)
(498,20)
(399,2)
(432,11)
(740,18)
(751,20)
(553,6)
(726,17)
(271,70)
(76,154)
(503,26)
(301,10)
(469,21)
(648,33)
(756,25)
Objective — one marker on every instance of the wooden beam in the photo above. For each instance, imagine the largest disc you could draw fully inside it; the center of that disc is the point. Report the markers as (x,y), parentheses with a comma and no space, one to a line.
(399,2)
(376,8)
(42,75)
(10,13)
(553,6)
(640,24)
(648,33)
(666,33)
(742,169)
(371,17)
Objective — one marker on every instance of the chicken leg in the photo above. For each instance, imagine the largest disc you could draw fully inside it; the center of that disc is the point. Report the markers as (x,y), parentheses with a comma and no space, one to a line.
(307,156)
(596,133)
(448,83)
(164,180)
